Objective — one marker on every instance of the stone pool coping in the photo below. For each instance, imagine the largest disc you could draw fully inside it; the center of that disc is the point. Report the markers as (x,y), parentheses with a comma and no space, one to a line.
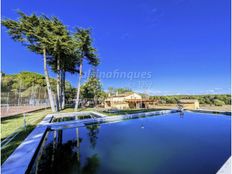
(210,111)
(105,119)
(21,159)
(226,168)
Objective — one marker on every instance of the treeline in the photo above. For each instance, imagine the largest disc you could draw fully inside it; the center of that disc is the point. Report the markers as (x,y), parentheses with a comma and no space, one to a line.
(61,49)
(214,99)
(113,91)
(33,85)
(25,82)
(27,85)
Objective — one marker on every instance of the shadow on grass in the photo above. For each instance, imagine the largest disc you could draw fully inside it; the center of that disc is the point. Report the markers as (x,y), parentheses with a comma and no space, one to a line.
(9,148)
(4,119)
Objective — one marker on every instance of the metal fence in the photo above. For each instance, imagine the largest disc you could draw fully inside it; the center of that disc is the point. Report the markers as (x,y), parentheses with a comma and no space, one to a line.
(13,103)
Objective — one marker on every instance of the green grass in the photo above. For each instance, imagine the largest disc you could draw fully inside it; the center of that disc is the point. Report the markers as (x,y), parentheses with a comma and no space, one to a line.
(10,124)
(15,123)
(9,148)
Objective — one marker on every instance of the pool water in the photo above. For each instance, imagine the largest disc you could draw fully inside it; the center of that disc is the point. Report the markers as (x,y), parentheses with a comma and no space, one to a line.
(80,117)
(192,143)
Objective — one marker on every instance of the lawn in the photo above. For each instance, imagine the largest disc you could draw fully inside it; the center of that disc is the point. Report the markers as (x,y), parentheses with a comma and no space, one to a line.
(10,124)
(15,124)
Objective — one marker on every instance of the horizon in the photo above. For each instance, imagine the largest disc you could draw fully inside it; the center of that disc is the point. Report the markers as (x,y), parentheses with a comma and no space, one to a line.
(185,54)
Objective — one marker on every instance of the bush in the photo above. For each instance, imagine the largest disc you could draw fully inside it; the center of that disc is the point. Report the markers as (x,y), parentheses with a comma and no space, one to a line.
(214,99)
(218,102)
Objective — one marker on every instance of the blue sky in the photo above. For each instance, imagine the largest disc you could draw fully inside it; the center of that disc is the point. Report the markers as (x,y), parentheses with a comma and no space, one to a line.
(183,44)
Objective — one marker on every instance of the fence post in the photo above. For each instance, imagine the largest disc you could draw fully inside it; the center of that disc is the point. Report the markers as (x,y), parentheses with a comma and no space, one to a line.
(24,121)
(7,106)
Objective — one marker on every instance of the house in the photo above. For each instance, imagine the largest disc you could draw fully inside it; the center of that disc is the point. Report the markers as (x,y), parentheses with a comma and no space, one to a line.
(189,103)
(126,101)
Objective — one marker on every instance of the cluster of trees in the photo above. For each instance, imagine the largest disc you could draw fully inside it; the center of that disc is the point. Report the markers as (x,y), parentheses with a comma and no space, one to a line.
(216,99)
(64,51)
(92,90)
(113,91)
(23,83)
(27,84)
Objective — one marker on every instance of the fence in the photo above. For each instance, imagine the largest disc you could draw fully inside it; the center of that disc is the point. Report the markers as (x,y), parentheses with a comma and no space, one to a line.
(13,103)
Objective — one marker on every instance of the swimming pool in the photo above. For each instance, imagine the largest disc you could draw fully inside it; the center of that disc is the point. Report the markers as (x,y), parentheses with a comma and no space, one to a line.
(172,143)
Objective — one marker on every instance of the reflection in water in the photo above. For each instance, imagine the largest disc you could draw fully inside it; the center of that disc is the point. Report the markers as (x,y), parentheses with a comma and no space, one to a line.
(91,165)
(142,126)
(181,114)
(93,131)
(64,157)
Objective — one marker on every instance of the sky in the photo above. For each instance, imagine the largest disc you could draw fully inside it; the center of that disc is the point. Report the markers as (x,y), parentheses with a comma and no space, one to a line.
(152,46)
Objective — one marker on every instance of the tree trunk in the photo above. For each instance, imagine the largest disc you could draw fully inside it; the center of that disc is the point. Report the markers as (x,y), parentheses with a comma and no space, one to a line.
(58,85)
(78,146)
(63,89)
(78,88)
(51,100)
(63,95)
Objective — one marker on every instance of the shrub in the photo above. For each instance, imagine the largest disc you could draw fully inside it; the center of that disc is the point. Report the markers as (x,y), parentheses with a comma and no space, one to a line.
(218,102)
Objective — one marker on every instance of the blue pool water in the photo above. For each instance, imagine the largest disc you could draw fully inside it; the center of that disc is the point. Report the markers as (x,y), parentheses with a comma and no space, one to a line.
(192,143)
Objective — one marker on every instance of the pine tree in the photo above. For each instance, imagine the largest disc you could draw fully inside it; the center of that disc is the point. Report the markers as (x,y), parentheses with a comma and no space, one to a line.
(38,34)
(86,51)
